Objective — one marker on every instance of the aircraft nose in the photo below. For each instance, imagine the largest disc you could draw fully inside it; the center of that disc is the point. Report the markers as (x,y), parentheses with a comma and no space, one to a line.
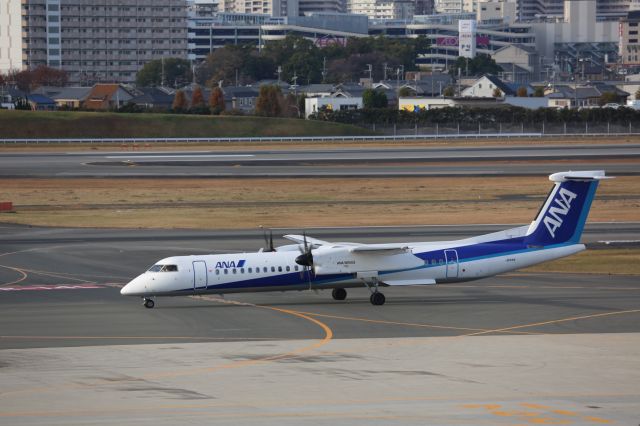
(133,288)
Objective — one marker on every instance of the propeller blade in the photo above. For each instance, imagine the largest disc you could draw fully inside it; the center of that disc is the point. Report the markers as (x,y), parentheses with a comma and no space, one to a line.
(268,241)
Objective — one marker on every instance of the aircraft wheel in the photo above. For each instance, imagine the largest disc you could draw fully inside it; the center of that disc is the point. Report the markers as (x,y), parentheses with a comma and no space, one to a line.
(148,303)
(377,299)
(339,294)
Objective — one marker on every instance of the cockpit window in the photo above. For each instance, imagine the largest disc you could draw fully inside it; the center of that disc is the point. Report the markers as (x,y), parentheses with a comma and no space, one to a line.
(163,268)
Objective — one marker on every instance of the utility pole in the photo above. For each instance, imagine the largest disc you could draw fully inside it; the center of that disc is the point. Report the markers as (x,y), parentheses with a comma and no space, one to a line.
(279,71)
(370,70)
(384,71)
(162,80)
(324,68)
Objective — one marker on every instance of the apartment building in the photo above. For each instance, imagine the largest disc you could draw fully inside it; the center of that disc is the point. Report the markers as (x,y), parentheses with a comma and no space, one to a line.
(629,39)
(101,40)
(10,35)
(383,9)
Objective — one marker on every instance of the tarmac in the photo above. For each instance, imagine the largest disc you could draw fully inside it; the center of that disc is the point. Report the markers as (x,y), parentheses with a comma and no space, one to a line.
(515,349)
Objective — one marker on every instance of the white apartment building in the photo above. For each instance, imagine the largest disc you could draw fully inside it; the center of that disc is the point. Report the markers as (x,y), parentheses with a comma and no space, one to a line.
(10,35)
(98,40)
(383,9)
(449,6)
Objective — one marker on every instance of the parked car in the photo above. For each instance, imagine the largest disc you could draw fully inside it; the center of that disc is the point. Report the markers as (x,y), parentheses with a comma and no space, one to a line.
(611,105)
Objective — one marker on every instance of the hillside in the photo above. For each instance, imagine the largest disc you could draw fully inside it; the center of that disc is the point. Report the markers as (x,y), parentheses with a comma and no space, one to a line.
(29,124)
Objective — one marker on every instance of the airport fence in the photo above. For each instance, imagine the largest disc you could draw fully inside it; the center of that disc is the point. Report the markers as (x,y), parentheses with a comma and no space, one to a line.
(397,132)
(542,129)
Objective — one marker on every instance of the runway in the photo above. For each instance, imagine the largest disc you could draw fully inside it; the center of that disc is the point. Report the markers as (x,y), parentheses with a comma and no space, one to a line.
(60,287)
(510,160)
(515,349)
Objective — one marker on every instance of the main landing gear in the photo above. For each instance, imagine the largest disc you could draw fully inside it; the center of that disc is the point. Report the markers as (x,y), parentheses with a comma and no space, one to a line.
(377,298)
(339,294)
(148,303)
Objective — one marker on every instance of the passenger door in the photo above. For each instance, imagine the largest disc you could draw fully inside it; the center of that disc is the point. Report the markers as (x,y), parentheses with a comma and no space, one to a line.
(451,260)
(199,275)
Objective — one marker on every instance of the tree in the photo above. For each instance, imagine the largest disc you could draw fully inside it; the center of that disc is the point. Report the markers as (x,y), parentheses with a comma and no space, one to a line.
(497,93)
(638,94)
(522,92)
(24,81)
(2,80)
(222,65)
(180,102)
(47,76)
(197,102)
(449,92)
(269,102)
(539,92)
(177,72)
(481,64)
(216,101)
(298,57)
(374,99)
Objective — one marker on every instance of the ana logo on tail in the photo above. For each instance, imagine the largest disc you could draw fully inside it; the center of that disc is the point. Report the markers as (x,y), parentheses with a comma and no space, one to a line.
(553,220)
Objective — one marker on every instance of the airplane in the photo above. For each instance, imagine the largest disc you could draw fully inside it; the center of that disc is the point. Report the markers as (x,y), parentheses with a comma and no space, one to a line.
(314,264)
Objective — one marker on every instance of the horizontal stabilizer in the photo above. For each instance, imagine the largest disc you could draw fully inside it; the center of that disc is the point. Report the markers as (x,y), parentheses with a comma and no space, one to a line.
(578,176)
(409,282)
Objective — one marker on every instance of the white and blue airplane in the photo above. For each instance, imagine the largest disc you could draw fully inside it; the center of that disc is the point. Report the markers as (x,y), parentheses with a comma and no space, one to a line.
(315,264)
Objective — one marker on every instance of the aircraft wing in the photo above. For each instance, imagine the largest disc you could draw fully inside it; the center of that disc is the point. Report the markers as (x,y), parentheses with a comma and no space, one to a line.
(364,249)
(311,241)
(380,249)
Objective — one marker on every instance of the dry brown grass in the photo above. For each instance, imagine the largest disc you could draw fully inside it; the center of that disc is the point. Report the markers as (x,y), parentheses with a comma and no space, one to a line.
(611,261)
(247,203)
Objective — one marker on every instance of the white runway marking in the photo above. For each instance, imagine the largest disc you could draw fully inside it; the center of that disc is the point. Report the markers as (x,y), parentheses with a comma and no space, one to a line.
(144,157)
(51,287)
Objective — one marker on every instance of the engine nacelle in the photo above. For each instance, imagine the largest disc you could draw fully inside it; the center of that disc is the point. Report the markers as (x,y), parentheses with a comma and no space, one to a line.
(341,260)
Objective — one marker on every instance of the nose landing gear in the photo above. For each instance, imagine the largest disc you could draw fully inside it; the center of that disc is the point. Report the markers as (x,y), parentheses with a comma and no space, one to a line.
(148,303)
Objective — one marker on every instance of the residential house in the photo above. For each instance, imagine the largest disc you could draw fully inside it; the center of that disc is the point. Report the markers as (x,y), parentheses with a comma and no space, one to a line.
(519,63)
(565,96)
(65,97)
(242,98)
(9,96)
(333,103)
(154,98)
(41,103)
(485,87)
(107,97)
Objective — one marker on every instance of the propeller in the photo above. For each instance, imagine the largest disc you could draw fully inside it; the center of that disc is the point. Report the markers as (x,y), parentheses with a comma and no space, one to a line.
(268,241)
(305,259)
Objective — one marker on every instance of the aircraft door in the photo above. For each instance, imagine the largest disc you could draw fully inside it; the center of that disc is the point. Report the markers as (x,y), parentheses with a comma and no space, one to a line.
(199,275)
(451,260)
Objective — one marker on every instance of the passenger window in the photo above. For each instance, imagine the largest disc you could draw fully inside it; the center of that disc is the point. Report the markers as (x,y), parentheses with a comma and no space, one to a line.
(279,268)
(217,271)
(242,270)
(441,262)
(250,270)
(288,268)
(226,271)
(234,270)
(264,269)
(273,269)
(296,267)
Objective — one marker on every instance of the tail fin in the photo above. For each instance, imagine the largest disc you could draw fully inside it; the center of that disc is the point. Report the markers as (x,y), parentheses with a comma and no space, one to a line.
(564,213)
